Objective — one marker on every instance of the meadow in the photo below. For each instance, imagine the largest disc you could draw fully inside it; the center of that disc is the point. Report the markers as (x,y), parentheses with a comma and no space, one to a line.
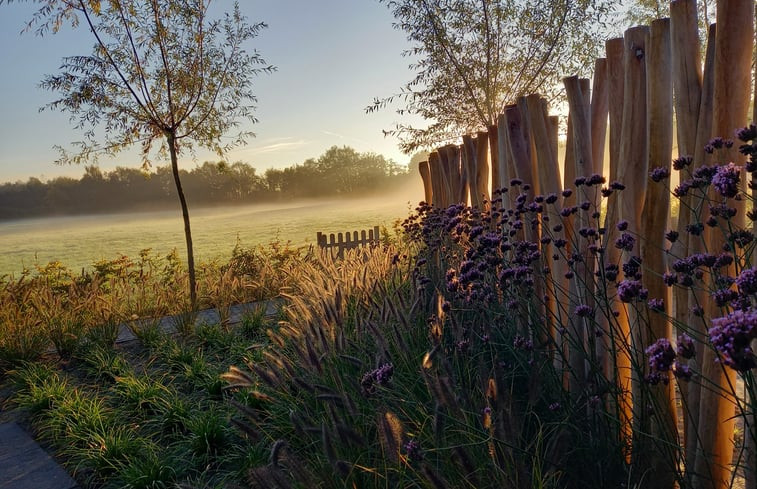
(78,241)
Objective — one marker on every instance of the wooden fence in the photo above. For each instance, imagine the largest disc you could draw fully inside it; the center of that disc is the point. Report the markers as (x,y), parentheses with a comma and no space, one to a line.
(339,242)
(646,76)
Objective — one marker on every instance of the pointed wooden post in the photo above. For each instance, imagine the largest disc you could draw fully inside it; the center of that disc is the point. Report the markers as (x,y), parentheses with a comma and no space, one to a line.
(619,364)
(482,169)
(578,97)
(436,179)
(471,171)
(454,178)
(426,177)
(632,172)
(505,172)
(659,452)
(494,158)
(519,143)
(695,244)
(547,177)
(600,106)
(463,189)
(687,88)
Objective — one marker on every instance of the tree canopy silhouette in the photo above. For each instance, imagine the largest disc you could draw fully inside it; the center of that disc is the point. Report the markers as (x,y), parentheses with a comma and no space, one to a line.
(163,74)
(473,57)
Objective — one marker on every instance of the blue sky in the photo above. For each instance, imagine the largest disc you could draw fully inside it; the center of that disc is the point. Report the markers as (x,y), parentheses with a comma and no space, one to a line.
(333,57)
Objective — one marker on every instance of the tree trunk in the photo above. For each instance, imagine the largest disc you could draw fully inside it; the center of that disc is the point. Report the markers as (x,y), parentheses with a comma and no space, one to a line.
(185,215)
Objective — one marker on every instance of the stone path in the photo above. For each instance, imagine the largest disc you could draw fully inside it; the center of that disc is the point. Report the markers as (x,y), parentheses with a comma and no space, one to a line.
(25,465)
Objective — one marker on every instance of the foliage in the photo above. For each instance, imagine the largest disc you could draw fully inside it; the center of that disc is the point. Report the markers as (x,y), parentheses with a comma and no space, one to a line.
(642,12)
(140,418)
(471,58)
(340,171)
(161,72)
(83,312)
(376,380)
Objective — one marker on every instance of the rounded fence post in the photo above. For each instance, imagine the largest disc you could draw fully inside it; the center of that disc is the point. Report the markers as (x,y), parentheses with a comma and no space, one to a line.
(658,452)
(426,177)
(632,172)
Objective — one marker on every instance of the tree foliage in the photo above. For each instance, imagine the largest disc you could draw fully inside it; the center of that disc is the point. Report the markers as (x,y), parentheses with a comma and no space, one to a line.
(339,172)
(645,11)
(473,57)
(161,72)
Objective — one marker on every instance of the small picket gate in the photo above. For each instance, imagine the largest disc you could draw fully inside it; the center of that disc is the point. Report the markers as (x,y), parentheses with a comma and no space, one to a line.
(337,243)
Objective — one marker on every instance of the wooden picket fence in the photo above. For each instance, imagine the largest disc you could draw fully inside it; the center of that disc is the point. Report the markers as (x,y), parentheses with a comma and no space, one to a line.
(632,96)
(340,242)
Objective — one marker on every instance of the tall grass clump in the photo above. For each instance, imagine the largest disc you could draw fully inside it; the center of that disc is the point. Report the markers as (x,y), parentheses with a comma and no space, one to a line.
(381,376)
(53,306)
(520,346)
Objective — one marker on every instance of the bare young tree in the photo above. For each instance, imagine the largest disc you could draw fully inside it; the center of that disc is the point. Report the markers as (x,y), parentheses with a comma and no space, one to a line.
(163,74)
(473,57)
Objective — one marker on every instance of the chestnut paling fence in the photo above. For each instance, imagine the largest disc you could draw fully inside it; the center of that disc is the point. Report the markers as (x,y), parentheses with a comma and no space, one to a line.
(338,243)
(648,75)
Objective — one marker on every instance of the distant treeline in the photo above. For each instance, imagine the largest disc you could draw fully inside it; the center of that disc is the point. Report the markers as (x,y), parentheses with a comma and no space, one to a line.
(338,172)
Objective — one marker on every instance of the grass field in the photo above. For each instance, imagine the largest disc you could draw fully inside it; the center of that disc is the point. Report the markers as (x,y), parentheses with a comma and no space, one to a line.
(78,241)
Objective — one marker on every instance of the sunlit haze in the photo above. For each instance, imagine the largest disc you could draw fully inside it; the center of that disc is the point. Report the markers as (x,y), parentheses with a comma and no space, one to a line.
(333,57)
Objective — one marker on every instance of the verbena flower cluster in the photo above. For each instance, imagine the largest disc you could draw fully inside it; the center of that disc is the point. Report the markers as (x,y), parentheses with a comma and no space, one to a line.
(726,274)
(376,377)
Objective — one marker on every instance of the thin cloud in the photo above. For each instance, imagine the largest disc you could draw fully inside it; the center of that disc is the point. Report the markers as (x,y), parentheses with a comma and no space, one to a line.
(275,147)
(342,136)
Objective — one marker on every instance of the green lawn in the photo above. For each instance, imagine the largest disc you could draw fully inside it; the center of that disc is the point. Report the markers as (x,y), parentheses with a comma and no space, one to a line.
(78,241)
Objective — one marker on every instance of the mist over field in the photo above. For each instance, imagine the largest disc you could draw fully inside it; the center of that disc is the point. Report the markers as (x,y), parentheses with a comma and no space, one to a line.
(78,241)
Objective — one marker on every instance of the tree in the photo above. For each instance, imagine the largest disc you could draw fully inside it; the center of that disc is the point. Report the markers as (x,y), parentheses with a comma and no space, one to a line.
(645,11)
(162,73)
(473,57)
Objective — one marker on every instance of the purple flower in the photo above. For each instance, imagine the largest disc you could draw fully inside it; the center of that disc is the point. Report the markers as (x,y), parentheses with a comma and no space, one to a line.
(747,281)
(611,272)
(656,304)
(682,162)
(722,210)
(622,225)
(583,310)
(747,133)
(595,179)
(661,356)
(724,296)
(379,376)
(726,180)
(617,186)
(695,229)
(554,406)
(567,193)
(671,236)
(628,290)
(625,241)
(731,336)
(682,371)
(669,279)
(741,237)
(685,346)
(660,173)
(413,450)
(522,343)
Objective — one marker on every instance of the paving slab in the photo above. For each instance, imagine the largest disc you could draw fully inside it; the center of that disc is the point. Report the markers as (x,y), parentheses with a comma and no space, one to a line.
(25,465)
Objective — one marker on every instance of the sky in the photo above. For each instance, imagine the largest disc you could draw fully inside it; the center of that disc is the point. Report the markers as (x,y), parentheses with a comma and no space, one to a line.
(332,57)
